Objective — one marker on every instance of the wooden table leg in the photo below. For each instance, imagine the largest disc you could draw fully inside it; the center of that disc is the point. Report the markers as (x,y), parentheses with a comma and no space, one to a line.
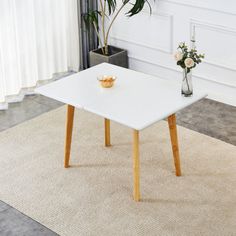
(136,167)
(107,132)
(174,142)
(69,128)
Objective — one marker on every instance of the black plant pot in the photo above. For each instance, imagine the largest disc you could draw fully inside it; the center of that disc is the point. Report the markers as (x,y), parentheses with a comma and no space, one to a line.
(116,56)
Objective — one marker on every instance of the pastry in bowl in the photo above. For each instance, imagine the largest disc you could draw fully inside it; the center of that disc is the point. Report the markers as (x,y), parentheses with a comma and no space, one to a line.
(107,81)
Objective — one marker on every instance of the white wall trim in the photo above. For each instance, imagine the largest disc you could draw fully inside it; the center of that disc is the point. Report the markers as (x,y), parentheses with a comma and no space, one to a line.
(141,44)
(164,72)
(171,22)
(168,50)
(218,28)
(192,3)
(177,71)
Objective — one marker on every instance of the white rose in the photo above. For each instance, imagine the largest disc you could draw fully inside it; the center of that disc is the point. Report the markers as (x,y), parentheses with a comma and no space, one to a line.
(178,56)
(189,62)
(181,44)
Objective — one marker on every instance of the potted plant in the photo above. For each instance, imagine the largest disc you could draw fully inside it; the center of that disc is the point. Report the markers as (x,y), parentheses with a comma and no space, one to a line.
(108,10)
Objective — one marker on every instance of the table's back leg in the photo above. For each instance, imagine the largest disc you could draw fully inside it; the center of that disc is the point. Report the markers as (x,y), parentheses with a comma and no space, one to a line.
(136,168)
(69,128)
(174,142)
(107,132)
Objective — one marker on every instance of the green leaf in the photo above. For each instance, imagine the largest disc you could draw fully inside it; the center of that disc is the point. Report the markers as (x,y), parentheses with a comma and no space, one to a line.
(111,5)
(137,7)
(91,18)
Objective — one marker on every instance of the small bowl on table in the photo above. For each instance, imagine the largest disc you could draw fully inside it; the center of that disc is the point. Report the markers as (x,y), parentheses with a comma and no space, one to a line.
(107,81)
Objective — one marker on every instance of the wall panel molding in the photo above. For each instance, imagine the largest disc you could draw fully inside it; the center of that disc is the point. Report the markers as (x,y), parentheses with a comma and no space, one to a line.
(215,91)
(200,5)
(167,49)
(222,29)
(150,41)
(177,71)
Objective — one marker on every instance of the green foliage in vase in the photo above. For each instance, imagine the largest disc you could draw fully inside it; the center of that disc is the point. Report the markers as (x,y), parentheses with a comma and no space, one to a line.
(187,58)
(108,11)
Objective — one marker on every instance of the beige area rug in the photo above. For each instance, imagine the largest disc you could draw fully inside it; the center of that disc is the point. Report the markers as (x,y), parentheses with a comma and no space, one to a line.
(94,196)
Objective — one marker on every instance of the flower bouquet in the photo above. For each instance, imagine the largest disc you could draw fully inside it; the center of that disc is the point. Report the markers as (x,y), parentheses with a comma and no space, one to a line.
(187,59)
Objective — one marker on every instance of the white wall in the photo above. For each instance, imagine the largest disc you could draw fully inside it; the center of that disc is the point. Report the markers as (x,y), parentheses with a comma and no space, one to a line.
(152,40)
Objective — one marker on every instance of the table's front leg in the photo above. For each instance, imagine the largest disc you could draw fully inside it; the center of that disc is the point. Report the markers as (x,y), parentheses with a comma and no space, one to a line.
(174,142)
(136,168)
(69,128)
(107,132)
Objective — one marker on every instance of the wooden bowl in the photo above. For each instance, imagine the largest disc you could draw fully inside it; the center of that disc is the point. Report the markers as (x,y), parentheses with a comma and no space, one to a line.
(106,81)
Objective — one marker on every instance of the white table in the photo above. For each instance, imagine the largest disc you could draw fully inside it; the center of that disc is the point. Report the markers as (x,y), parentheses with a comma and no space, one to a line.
(136,100)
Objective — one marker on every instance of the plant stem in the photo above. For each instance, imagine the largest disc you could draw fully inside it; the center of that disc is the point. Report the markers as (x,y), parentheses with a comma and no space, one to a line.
(109,28)
(99,38)
(103,10)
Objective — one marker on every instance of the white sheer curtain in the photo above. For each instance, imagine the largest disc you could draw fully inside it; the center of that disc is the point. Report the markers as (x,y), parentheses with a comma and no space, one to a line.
(38,38)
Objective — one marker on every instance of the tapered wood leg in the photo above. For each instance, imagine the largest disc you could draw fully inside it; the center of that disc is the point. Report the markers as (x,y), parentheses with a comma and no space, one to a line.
(69,128)
(136,167)
(107,132)
(174,142)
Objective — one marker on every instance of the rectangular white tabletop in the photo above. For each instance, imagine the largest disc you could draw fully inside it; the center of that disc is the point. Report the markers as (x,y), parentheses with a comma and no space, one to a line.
(136,100)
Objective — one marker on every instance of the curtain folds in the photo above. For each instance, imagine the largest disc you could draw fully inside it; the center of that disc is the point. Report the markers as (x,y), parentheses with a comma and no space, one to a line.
(89,39)
(37,39)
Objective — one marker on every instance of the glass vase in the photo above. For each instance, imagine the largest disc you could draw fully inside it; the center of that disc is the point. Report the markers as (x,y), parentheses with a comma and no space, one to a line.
(187,87)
